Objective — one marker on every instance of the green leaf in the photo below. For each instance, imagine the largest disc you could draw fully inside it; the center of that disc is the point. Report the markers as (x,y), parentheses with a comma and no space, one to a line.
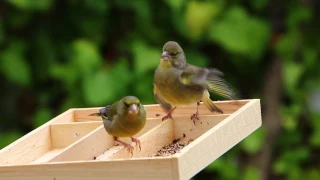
(144,83)
(14,66)
(313,174)
(251,173)
(297,15)
(315,134)
(176,5)
(226,167)
(240,33)
(292,72)
(196,58)
(42,116)
(290,115)
(66,73)
(97,6)
(146,58)
(98,88)
(102,87)
(199,14)
(290,160)
(8,137)
(254,142)
(41,5)
(259,4)
(85,56)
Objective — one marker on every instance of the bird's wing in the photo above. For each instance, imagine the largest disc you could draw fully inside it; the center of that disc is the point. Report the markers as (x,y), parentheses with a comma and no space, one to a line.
(109,111)
(211,79)
(194,76)
(164,105)
(217,84)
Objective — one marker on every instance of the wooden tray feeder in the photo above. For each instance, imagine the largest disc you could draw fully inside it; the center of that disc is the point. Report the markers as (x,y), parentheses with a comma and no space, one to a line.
(75,146)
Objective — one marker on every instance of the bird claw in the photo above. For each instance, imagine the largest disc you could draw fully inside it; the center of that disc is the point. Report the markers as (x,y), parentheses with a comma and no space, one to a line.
(137,141)
(195,117)
(130,149)
(167,117)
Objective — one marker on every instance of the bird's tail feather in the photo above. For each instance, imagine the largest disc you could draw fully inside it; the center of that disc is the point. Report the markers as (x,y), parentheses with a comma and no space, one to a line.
(209,104)
(95,114)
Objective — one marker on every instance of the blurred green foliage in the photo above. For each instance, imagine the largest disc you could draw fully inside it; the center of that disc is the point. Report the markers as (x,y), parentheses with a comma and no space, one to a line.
(57,55)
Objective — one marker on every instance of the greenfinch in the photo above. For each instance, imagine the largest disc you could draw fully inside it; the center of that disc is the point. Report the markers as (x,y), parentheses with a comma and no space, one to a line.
(177,83)
(124,118)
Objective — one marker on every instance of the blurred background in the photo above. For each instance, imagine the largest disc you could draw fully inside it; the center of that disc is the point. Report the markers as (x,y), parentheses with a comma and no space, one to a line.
(61,54)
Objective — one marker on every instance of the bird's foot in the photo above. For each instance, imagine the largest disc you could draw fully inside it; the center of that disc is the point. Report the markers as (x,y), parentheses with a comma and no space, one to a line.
(195,117)
(128,146)
(137,141)
(167,116)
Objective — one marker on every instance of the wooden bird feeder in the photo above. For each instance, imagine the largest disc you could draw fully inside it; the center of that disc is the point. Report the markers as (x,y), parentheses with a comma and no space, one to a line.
(76,146)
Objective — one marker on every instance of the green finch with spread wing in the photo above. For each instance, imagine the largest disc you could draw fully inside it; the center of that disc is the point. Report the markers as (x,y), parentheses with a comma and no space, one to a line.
(177,83)
(124,118)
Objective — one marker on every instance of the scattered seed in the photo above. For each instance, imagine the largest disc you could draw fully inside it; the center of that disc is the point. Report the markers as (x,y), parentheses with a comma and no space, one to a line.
(184,135)
(94,158)
(157,115)
(176,140)
(172,148)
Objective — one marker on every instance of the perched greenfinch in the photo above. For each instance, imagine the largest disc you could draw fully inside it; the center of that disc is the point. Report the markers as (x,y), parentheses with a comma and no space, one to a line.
(177,83)
(124,118)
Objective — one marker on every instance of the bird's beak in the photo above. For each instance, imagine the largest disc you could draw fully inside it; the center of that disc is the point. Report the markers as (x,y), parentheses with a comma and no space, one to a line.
(165,56)
(133,109)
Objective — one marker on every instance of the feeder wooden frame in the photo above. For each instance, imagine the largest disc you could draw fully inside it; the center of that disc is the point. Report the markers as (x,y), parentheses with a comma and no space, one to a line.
(76,146)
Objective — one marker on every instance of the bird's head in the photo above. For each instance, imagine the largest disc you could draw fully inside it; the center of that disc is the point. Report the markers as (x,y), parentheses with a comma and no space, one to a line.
(172,55)
(131,105)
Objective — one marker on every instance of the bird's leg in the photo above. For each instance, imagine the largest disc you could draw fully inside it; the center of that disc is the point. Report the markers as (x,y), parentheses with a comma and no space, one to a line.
(130,148)
(137,141)
(169,114)
(195,115)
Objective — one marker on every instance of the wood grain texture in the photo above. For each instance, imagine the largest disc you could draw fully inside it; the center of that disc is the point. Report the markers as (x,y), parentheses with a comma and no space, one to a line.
(32,145)
(155,111)
(215,142)
(183,125)
(47,156)
(64,134)
(50,152)
(151,142)
(144,169)
(27,149)
(86,148)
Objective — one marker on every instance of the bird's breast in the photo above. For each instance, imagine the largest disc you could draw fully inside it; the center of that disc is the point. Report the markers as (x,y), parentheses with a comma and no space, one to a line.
(173,91)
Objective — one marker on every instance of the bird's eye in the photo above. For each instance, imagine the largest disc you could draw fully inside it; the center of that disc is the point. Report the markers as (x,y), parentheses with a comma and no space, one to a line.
(173,53)
(127,105)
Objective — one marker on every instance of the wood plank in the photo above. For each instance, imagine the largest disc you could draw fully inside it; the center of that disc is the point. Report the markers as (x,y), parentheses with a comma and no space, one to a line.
(47,156)
(215,142)
(185,126)
(65,117)
(88,147)
(27,149)
(144,169)
(62,135)
(151,142)
(155,111)
(32,145)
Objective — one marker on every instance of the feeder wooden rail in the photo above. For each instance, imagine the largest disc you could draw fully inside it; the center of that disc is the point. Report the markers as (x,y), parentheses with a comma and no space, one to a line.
(76,146)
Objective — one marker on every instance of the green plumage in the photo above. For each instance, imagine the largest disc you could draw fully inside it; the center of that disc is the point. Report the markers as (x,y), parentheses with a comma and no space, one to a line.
(119,122)
(178,83)
(124,118)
